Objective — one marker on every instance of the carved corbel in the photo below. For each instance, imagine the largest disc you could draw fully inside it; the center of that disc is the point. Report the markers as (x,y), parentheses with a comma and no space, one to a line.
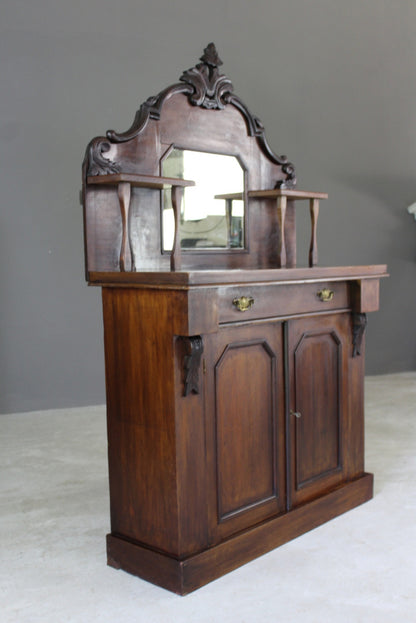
(97,163)
(192,362)
(359,323)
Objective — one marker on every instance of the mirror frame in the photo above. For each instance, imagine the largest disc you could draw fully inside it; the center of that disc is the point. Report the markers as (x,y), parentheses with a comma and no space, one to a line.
(209,250)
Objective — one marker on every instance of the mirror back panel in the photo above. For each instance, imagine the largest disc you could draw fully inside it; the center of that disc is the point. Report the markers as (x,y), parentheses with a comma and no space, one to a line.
(199,117)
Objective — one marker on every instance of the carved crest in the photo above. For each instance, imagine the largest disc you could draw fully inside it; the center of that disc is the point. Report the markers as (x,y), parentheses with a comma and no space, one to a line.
(210,86)
(204,86)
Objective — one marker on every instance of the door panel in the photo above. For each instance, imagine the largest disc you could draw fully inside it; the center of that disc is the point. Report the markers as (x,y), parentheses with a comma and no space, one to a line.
(245,437)
(244,425)
(318,363)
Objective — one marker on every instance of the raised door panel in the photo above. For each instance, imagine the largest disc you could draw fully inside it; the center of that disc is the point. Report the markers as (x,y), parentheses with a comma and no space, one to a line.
(245,434)
(318,369)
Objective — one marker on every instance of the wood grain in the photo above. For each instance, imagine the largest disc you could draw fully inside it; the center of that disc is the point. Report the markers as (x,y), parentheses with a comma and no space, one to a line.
(139,181)
(176,255)
(281,216)
(230,431)
(289,193)
(124,194)
(238,276)
(189,574)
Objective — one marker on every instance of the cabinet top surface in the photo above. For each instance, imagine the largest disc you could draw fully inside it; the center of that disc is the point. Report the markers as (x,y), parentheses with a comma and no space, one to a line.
(182,279)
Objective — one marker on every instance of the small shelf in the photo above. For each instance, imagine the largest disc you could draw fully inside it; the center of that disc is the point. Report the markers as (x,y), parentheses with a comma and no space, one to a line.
(288,193)
(282,195)
(124,183)
(274,193)
(142,181)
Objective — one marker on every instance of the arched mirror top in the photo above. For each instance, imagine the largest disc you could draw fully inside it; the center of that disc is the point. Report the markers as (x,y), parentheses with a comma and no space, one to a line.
(195,138)
(204,87)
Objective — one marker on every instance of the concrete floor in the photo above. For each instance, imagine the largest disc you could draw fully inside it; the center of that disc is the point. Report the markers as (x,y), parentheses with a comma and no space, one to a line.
(54,516)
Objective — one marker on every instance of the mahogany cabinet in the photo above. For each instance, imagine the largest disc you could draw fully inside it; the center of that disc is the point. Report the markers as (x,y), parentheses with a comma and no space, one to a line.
(234,378)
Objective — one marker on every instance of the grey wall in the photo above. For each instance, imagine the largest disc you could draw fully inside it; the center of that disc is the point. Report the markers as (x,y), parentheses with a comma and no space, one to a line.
(334,82)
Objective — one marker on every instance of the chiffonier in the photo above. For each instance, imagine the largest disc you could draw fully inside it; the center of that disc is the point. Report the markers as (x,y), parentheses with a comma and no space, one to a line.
(234,377)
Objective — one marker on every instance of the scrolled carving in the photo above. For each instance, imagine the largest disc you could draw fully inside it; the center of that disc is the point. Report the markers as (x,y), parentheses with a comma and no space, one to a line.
(210,86)
(256,128)
(206,87)
(290,182)
(98,164)
(150,109)
(192,362)
(359,323)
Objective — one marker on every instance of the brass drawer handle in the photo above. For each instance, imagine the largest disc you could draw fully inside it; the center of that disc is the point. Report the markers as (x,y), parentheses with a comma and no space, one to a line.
(326,295)
(243,303)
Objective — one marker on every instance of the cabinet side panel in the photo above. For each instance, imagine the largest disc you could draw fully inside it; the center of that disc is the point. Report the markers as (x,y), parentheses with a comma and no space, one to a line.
(354,434)
(102,228)
(141,416)
(191,457)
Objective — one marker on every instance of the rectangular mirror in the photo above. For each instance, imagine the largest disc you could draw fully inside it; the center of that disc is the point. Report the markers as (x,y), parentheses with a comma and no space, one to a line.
(212,211)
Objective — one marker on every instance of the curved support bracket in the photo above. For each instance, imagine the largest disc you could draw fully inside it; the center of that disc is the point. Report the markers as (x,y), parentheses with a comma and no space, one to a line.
(192,362)
(359,323)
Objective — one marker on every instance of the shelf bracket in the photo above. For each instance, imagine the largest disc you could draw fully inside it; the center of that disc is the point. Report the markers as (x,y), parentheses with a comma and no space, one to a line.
(176,255)
(124,196)
(192,363)
(313,249)
(359,323)
(281,217)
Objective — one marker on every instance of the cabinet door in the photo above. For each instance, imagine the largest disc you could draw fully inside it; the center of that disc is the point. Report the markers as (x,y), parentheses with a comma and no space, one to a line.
(318,372)
(245,426)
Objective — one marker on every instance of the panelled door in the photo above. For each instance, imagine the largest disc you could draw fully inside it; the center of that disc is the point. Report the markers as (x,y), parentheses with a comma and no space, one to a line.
(245,426)
(317,421)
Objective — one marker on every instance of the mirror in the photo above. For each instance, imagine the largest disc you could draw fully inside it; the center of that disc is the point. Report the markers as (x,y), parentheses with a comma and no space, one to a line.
(212,211)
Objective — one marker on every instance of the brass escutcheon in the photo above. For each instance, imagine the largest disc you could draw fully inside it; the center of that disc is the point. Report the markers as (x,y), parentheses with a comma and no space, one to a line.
(326,295)
(243,303)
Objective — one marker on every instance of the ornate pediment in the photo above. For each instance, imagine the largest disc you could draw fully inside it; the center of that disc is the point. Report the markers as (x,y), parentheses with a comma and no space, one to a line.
(210,86)
(204,86)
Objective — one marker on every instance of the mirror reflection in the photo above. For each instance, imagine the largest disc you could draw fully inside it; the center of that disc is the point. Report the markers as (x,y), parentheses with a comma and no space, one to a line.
(212,211)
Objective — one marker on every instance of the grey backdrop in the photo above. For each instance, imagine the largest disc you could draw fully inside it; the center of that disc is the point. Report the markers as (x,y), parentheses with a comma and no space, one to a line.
(334,82)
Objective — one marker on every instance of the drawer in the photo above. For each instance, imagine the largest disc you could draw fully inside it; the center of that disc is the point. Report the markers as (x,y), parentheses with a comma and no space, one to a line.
(273,300)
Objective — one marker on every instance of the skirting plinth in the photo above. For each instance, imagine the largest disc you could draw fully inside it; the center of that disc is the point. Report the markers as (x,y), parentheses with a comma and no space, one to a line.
(185,576)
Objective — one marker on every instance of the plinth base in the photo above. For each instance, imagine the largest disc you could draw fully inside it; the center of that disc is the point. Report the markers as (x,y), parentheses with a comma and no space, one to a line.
(184,576)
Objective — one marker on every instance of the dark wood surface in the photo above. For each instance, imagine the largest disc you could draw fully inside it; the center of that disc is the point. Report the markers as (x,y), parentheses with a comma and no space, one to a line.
(202,113)
(189,574)
(271,300)
(245,419)
(318,396)
(236,276)
(235,400)
(139,181)
(289,193)
(188,471)
(276,192)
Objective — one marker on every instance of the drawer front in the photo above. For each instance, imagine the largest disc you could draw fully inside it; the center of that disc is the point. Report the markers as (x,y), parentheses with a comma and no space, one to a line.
(247,302)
